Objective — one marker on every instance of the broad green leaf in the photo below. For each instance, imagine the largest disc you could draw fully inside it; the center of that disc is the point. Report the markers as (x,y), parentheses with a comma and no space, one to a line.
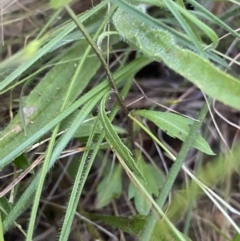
(21,162)
(175,126)
(154,180)
(115,142)
(160,45)
(110,187)
(44,102)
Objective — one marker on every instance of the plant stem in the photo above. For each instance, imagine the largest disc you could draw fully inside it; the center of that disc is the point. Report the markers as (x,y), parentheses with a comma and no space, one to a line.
(176,167)
(99,55)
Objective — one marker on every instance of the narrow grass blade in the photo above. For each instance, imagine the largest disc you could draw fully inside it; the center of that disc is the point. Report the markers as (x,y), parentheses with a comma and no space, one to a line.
(115,142)
(47,47)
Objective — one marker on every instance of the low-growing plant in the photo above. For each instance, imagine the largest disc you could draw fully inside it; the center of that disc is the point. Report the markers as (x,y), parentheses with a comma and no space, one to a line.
(70,104)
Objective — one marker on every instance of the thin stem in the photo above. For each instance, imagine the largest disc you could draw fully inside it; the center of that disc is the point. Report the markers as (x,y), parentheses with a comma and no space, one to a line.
(197,171)
(176,167)
(99,55)
(50,21)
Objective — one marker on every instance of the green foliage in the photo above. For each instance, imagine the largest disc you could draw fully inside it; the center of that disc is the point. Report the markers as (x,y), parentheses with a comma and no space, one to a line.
(87,126)
(5,206)
(160,45)
(135,224)
(110,187)
(81,173)
(116,144)
(237,237)
(44,102)
(175,126)
(31,49)
(59,3)
(1,229)
(16,64)
(102,89)
(131,224)
(154,180)
(62,101)
(21,162)
(149,2)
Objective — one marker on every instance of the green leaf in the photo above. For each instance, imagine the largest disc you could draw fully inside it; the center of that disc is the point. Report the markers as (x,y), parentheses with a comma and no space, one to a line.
(135,224)
(163,233)
(45,101)
(84,168)
(154,180)
(216,19)
(15,66)
(1,228)
(237,237)
(110,187)
(24,200)
(19,143)
(22,163)
(86,128)
(160,45)
(175,126)
(59,3)
(5,206)
(131,224)
(82,171)
(115,142)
